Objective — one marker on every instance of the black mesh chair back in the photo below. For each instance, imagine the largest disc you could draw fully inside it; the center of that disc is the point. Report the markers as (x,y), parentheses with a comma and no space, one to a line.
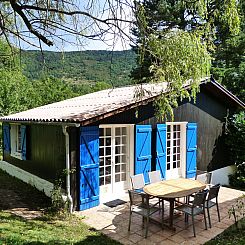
(200,198)
(213,192)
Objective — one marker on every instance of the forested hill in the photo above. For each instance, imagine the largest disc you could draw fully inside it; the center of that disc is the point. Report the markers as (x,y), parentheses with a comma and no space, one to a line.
(81,66)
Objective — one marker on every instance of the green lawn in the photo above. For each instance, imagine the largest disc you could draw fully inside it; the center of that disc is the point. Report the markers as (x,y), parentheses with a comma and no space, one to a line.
(15,230)
(45,230)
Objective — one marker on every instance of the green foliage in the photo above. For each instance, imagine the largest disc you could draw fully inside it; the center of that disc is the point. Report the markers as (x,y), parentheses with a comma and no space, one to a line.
(80,67)
(229,63)
(176,43)
(238,210)
(236,143)
(49,90)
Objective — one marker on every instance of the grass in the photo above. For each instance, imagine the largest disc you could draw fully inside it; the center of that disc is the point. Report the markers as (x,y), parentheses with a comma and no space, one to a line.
(231,236)
(16,230)
(47,229)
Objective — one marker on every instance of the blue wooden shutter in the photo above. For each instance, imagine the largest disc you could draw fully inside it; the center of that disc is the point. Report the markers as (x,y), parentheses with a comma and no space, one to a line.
(89,167)
(191,147)
(161,145)
(143,150)
(23,141)
(6,138)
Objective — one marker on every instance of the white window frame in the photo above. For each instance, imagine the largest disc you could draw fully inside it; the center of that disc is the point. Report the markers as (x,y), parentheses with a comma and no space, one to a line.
(182,145)
(130,150)
(15,129)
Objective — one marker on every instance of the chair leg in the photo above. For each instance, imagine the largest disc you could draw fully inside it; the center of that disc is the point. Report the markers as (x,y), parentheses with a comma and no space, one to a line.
(129,224)
(218,211)
(205,220)
(193,224)
(146,228)
(162,213)
(209,220)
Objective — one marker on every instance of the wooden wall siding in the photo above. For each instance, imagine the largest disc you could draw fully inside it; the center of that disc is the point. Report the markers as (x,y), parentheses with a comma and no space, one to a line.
(210,116)
(45,152)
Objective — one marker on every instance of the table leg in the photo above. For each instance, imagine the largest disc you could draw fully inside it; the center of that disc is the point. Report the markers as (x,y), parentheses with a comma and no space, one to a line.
(171,213)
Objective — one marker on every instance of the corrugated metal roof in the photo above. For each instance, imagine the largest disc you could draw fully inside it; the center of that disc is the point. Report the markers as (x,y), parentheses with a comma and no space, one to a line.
(91,107)
(82,108)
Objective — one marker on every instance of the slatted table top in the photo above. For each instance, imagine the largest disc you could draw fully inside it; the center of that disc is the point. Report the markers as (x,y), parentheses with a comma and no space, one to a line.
(174,188)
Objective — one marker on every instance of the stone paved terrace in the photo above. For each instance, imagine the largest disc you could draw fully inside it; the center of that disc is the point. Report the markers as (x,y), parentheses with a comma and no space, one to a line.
(114,223)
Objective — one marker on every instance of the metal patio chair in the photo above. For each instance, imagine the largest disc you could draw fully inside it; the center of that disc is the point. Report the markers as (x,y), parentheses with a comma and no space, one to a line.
(138,182)
(140,205)
(194,208)
(155,176)
(212,200)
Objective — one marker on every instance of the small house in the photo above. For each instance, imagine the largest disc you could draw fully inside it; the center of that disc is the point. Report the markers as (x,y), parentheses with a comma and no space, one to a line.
(102,138)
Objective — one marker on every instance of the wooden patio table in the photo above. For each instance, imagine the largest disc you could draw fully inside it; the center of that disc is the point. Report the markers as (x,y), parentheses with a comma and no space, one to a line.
(171,189)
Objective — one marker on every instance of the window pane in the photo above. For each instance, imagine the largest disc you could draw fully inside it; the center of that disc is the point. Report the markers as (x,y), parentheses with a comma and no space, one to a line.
(123,168)
(123,158)
(124,139)
(108,161)
(117,159)
(117,168)
(102,172)
(174,164)
(117,177)
(123,177)
(168,166)
(123,149)
(117,140)
(108,150)
(108,132)
(101,141)
(108,141)
(108,180)
(117,149)
(124,131)
(101,151)
(101,131)
(178,164)
(102,181)
(101,161)
(108,170)
(118,131)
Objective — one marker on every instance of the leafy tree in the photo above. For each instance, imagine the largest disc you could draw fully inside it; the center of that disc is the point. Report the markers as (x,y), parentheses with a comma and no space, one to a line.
(49,90)
(229,63)
(175,41)
(15,90)
(236,143)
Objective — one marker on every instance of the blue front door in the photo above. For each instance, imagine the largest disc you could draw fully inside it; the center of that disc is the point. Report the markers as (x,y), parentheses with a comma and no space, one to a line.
(89,167)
